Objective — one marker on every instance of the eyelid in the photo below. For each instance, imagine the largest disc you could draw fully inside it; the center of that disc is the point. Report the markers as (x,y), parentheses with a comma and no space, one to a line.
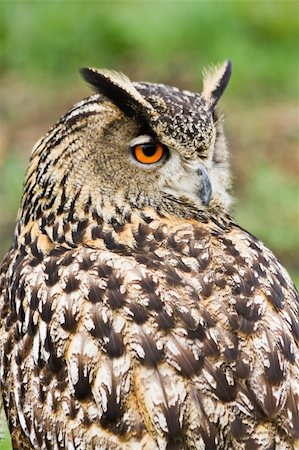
(142,139)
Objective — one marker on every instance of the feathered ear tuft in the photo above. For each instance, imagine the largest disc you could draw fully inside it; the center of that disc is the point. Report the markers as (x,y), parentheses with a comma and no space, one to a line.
(215,81)
(118,88)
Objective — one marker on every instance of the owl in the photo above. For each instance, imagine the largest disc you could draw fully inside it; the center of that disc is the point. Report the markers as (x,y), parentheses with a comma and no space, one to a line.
(136,314)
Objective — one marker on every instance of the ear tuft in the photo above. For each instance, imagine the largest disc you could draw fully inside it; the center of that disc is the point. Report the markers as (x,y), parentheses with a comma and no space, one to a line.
(215,81)
(117,88)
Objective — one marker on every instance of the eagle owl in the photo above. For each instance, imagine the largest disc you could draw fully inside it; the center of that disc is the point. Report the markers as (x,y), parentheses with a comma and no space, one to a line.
(135,312)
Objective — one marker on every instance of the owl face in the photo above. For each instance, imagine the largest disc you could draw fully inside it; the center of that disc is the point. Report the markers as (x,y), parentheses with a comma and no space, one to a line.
(173,152)
(136,144)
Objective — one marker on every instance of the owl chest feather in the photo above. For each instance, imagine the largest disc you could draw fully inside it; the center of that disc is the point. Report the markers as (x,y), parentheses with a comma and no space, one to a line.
(148,335)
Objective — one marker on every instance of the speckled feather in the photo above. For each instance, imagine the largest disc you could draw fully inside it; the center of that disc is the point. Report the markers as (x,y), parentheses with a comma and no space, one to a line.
(128,322)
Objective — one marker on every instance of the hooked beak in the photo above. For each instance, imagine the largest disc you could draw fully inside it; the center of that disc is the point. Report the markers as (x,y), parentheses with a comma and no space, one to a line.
(205,191)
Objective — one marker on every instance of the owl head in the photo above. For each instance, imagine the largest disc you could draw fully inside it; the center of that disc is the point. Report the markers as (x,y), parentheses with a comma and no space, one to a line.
(133,145)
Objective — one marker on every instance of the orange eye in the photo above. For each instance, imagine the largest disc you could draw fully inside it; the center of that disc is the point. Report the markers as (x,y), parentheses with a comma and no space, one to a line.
(149,153)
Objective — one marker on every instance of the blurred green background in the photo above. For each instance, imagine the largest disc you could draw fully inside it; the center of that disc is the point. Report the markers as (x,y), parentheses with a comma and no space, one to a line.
(43,43)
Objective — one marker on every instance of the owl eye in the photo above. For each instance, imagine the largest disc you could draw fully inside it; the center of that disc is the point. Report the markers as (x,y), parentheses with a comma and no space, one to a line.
(149,153)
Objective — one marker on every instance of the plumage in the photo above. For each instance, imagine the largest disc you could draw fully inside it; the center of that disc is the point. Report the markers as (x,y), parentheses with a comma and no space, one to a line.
(135,312)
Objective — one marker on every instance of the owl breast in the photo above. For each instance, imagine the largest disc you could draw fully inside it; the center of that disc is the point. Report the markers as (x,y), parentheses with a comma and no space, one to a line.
(160,333)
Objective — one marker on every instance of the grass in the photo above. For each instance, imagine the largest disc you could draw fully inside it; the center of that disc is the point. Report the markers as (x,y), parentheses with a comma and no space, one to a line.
(5,444)
(43,43)
(12,172)
(47,41)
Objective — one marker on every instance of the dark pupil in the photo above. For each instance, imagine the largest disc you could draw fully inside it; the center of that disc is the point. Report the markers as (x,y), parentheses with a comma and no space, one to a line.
(149,149)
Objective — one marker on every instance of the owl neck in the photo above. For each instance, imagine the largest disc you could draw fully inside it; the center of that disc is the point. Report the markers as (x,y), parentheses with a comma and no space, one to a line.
(96,222)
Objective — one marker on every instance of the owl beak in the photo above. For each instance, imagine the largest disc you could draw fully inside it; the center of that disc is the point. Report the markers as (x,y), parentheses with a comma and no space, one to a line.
(205,191)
